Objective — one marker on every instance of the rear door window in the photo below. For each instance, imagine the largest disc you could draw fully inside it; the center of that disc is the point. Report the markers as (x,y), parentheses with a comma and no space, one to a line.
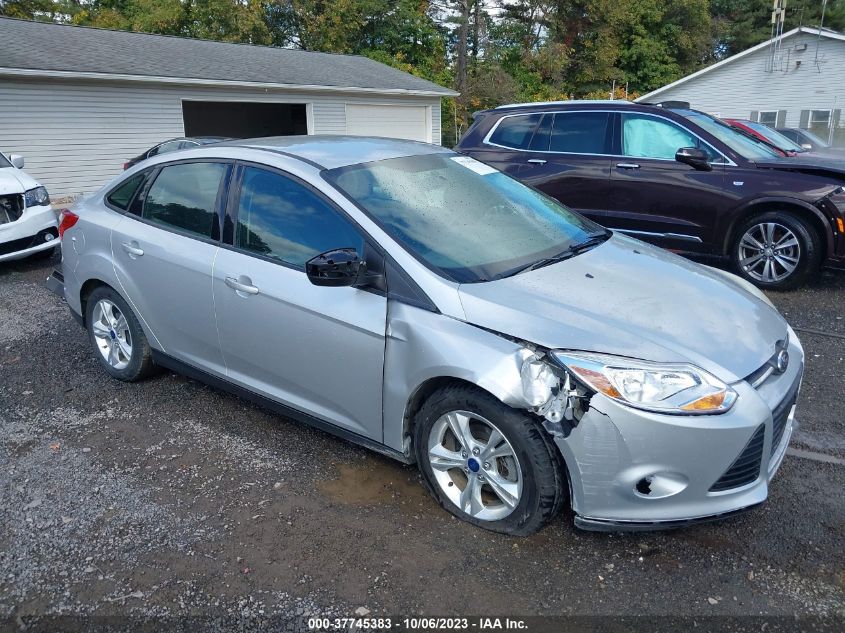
(581,133)
(184,197)
(516,131)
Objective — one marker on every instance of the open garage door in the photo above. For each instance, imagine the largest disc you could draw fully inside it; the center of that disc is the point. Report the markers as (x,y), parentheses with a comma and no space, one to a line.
(243,119)
(397,121)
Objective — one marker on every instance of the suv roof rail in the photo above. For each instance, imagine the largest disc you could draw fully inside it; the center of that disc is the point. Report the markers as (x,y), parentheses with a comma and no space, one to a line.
(682,105)
(545,103)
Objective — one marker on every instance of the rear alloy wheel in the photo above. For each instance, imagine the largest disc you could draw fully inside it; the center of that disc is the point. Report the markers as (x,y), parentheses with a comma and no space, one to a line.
(776,250)
(117,337)
(487,463)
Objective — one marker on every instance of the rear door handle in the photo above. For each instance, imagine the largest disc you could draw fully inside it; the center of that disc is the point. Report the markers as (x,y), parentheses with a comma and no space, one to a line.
(233,283)
(133,249)
(627,165)
(536,161)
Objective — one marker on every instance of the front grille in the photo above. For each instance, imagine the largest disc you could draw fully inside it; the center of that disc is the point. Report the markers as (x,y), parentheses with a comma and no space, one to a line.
(11,208)
(746,467)
(781,414)
(761,375)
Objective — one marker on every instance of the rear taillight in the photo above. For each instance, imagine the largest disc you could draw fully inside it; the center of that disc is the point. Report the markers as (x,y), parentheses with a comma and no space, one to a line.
(67,219)
(126,166)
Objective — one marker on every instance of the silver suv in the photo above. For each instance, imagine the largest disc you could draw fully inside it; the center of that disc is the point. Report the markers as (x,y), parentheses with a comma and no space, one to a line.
(425,305)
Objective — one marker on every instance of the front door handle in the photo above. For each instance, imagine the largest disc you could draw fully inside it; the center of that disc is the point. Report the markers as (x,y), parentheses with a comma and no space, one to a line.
(536,161)
(133,249)
(627,165)
(240,286)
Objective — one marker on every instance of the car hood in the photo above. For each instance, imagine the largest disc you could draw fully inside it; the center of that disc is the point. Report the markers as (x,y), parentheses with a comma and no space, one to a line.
(13,180)
(818,164)
(631,299)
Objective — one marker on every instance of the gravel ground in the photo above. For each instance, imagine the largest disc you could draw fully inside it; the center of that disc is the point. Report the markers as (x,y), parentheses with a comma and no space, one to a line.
(167,500)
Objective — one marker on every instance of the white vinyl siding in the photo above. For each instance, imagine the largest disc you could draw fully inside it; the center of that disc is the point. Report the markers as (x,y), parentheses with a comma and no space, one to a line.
(76,135)
(743,86)
(405,121)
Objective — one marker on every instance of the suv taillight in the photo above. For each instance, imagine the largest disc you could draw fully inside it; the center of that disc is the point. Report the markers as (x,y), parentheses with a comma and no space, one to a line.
(67,219)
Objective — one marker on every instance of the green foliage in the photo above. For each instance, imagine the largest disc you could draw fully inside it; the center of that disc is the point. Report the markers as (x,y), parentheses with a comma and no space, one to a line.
(516,50)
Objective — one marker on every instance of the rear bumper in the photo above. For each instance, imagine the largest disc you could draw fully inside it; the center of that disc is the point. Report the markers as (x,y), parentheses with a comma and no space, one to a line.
(56,283)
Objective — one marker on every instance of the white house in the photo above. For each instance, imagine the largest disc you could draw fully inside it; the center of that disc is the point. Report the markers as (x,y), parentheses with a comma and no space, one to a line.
(78,102)
(797,80)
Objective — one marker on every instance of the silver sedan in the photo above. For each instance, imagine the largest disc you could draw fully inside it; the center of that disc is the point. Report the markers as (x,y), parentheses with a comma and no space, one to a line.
(425,305)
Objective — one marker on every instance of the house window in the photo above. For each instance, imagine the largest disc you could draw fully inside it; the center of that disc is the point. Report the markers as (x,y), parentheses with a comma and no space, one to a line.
(769,117)
(819,123)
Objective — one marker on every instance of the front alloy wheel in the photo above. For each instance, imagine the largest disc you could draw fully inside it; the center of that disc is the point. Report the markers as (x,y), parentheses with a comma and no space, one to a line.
(474,465)
(776,250)
(769,252)
(487,463)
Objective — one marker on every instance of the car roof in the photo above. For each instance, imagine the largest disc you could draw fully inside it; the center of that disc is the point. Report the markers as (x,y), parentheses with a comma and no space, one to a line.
(330,152)
(589,104)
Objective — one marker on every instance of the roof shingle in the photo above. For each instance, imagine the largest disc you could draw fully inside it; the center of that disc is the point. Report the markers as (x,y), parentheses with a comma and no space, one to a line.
(44,46)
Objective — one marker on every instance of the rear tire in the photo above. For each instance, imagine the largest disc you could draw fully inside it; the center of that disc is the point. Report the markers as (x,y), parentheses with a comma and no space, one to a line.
(776,250)
(117,337)
(509,483)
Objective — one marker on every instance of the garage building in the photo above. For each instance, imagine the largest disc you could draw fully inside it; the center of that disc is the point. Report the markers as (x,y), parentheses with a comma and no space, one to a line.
(78,102)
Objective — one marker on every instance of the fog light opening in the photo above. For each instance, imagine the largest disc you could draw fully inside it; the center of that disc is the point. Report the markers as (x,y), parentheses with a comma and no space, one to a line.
(644,486)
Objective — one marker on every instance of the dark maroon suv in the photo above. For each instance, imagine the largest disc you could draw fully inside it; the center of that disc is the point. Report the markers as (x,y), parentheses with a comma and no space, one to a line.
(676,177)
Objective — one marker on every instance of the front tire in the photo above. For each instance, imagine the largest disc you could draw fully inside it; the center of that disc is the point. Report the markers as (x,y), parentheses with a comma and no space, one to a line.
(117,338)
(487,463)
(776,250)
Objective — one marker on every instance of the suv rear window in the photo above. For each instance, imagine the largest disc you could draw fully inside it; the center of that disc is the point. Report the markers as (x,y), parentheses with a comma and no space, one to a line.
(515,131)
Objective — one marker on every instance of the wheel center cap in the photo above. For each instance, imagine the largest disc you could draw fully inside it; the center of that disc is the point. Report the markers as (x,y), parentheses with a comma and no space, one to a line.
(473,464)
(112,334)
(769,252)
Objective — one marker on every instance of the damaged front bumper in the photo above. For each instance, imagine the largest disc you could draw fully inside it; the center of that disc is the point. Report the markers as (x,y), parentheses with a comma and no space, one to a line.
(35,230)
(632,470)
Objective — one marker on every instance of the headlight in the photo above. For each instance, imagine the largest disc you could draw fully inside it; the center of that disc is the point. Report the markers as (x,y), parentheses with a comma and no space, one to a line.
(36,197)
(679,389)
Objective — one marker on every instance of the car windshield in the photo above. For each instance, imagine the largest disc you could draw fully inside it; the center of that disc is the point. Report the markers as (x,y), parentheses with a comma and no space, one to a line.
(775,137)
(815,139)
(466,220)
(4,162)
(743,145)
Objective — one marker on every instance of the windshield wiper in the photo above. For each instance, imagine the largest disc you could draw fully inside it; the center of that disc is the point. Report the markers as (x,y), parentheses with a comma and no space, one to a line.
(591,242)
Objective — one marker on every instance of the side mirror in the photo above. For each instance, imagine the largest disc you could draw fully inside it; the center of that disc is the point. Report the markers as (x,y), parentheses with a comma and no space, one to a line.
(339,267)
(807,146)
(694,157)
(16,160)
